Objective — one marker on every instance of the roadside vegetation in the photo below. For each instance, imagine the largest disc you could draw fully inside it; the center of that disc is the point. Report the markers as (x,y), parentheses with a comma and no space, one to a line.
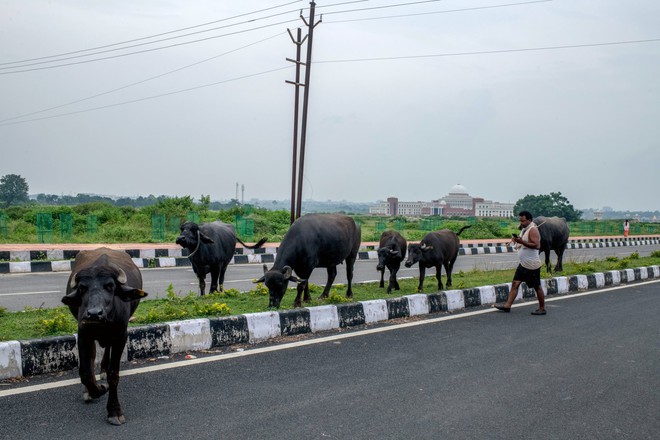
(100,222)
(36,323)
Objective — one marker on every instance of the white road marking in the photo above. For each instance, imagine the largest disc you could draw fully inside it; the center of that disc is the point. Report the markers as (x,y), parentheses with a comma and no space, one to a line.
(30,293)
(321,340)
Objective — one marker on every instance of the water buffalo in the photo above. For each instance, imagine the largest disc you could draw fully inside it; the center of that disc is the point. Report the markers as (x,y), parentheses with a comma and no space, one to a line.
(103,291)
(554,237)
(314,240)
(391,252)
(211,247)
(437,249)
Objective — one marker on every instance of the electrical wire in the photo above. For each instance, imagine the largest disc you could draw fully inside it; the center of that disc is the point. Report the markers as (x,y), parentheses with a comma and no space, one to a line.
(138,82)
(147,98)
(157,35)
(488,52)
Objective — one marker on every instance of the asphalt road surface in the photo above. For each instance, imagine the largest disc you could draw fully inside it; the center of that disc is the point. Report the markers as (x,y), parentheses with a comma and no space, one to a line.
(46,289)
(587,370)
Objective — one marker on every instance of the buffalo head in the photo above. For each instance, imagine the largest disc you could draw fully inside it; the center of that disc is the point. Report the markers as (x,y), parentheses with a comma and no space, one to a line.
(191,237)
(416,253)
(386,254)
(277,281)
(94,290)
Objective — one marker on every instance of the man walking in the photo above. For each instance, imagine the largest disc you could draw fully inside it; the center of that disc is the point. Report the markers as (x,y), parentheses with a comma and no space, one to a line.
(529,269)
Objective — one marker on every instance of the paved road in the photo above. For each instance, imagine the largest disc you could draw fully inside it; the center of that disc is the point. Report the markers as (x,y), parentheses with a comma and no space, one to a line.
(587,370)
(46,289)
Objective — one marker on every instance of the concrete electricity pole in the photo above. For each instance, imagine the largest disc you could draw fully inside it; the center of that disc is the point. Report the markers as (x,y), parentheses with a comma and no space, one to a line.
(297,194)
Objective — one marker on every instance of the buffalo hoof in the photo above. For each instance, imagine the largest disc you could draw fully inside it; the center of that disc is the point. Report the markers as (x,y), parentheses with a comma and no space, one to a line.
(116,420)
(87,397)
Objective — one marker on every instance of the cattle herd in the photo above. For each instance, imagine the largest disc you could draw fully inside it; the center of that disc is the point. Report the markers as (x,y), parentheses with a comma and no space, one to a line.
(105,286)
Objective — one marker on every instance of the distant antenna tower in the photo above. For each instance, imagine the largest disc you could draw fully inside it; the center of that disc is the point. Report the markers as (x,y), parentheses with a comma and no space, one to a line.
(243,194)
(237,191)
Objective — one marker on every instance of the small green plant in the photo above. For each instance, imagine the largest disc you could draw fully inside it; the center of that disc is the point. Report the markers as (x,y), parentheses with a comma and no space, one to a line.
(655,254)
(584,268)
(3,311)
(335,297)
(259,290)
(612,259)
(622,264)
(60,322)
(634,256)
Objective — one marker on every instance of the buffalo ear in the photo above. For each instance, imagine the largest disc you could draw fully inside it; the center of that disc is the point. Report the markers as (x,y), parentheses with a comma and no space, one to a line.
(260,280)
(128,294)
(295,279)
(72,299)
(205,238)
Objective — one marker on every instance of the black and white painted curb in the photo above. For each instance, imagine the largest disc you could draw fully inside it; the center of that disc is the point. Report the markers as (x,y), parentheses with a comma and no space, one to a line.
(48,355)
(61,260)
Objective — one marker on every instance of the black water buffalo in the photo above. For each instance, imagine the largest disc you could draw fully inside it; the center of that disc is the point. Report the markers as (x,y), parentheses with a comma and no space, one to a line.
(211,247)
(437,249)
(103,291)
(391,252)
(554,237)
(314,240)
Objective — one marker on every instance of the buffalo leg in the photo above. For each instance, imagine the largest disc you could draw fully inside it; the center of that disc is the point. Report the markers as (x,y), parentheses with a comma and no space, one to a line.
(115,413)
(221,280)
(105,362)
(560,257)
(394,284)
(438,276)
(548,265)
(350,263)
(87,356)
(215,274)
(422,274)
(332,274)
(202,283)
(300,288)
(382,278)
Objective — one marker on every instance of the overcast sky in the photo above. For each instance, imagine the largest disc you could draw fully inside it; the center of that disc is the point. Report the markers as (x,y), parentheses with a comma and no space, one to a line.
(506,98)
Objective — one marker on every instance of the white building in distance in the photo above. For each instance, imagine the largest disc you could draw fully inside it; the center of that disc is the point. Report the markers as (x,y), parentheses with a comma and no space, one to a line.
(458,203)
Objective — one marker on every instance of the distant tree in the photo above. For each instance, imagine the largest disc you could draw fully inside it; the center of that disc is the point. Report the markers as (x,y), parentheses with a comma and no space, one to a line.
(13,190)
(550,205)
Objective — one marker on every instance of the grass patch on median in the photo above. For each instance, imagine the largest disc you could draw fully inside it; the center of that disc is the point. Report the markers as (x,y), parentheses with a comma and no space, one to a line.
(37,323)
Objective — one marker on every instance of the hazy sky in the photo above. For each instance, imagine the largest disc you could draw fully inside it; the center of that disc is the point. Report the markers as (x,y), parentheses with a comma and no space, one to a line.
(506,98)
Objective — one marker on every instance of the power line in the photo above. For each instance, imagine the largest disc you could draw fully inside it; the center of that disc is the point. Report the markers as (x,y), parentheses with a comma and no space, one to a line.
(438,12)
(146,50)
(487,52)
(147,98)
(158,35)
(137,82)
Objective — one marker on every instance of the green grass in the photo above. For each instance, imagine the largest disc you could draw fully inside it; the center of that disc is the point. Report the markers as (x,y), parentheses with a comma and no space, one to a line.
(37,323)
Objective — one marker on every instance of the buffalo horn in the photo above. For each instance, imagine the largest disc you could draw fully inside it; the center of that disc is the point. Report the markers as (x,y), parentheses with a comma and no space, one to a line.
(286,270)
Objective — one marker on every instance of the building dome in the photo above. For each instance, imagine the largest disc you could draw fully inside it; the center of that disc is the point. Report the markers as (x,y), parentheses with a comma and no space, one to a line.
(458,189)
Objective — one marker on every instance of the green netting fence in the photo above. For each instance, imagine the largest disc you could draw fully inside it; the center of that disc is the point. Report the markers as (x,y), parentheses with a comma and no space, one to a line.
(45,227)
(92,225)
(158,227)
(244,228)
(66,227)
(4,226)
(174,225)
(193,217)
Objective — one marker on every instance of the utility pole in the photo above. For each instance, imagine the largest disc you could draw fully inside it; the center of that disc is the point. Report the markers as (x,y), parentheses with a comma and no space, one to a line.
(303,132)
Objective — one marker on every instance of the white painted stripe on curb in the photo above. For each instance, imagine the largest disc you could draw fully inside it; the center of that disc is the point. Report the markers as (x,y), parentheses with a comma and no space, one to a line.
(264,325)
(487,294)
(455,300)
(374,310)
(418,304)
(10,360)
(323,318)
(190,335)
